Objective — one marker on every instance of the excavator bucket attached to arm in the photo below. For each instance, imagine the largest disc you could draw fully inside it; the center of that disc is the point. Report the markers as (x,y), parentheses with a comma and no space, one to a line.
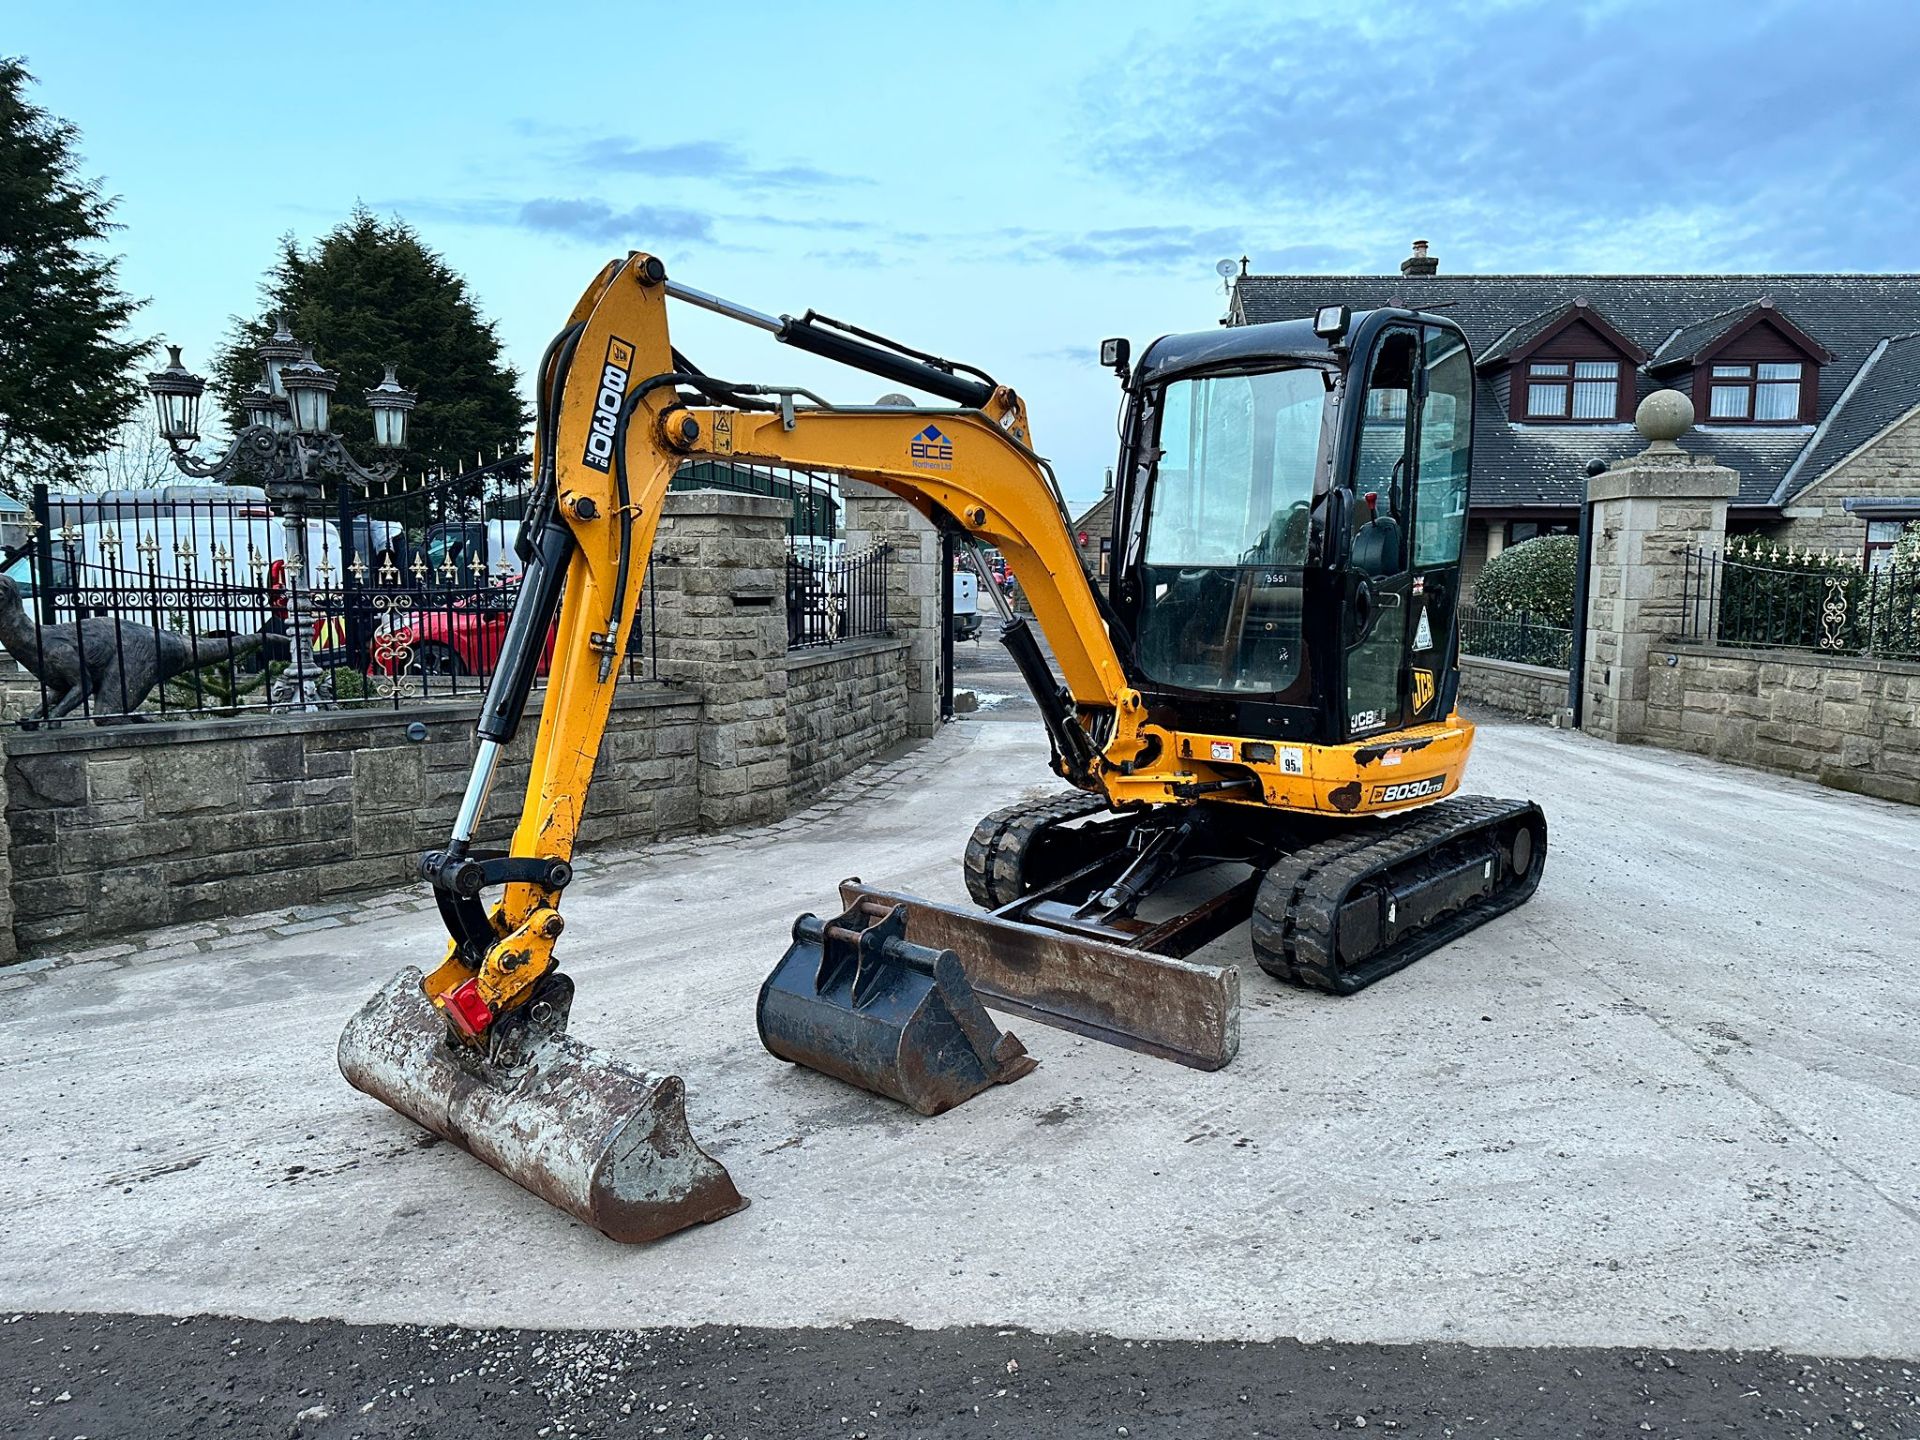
(605,1142)
(476,1050)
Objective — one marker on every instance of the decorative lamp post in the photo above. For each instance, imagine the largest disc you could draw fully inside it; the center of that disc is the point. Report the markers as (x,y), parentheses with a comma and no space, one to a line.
(309,390)
(390,404)
(176,395)
(279,352)
(288,447)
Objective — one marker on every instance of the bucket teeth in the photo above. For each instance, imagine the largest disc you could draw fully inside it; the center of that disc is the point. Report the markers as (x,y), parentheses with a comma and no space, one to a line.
(600,1139)
(855,999)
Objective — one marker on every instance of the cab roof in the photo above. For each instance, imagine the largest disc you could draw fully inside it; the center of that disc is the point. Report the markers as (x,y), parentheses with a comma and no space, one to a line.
(1282,341)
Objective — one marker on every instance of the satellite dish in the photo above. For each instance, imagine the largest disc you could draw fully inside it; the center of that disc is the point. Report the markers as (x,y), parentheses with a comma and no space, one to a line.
(1224,268)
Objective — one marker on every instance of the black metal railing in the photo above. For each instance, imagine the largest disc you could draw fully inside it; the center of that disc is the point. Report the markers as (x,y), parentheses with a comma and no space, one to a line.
(814,514)
(1760,598)
(834,598)
(189,600)
(1517,635)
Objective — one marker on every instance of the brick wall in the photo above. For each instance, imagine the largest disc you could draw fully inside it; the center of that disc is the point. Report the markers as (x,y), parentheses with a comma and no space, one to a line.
(844,705)
(1847,722)
(1532,692)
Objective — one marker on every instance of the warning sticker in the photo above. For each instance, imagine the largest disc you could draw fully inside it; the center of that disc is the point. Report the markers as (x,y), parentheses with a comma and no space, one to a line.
(1221,750)
(1423,632)
(723,434)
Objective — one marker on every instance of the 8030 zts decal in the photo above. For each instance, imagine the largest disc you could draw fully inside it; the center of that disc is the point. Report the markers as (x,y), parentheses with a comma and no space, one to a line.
(1408,790)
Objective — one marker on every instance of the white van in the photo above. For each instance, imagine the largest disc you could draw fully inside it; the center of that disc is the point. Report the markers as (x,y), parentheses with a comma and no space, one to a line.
(966,602)
(199,572)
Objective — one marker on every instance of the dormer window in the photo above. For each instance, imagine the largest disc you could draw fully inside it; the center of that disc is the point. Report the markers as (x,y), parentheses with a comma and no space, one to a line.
(1751,365)
(1566,366)
(1573,389)
(1760,391)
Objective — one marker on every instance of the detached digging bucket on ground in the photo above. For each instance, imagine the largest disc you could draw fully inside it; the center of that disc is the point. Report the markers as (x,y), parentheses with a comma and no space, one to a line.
(855,999)
(602,1140)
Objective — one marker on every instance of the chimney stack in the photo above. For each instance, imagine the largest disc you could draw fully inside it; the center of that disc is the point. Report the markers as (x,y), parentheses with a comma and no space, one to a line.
(1419,263)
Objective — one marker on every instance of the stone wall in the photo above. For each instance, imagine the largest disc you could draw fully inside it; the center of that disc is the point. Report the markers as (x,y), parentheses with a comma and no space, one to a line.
(114,828)
(1847,722)
(914,608)
(719,572)
(844,705)
(121,827)
(1532,692)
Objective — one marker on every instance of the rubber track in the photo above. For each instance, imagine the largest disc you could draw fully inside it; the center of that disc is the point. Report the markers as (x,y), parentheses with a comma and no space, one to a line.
(1296,913)
(998,846)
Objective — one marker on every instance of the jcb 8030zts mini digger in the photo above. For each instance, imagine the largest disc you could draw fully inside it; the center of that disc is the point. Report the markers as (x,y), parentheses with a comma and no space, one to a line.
(1258,705)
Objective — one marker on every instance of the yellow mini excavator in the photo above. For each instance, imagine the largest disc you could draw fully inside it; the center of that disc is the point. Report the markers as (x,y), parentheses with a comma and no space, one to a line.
(1255,717)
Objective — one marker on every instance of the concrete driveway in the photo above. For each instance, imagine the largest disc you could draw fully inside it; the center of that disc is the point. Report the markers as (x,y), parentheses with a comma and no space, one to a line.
(1673,1101)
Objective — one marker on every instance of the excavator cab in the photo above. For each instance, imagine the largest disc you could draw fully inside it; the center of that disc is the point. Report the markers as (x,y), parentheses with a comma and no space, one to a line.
(1290,525)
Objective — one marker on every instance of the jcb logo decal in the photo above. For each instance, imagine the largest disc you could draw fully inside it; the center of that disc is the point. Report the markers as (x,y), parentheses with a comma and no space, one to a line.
(1408,790)
(604,427)
(1422,690)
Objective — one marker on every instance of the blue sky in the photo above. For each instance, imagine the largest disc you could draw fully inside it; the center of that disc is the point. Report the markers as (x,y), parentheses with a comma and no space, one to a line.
(1004,184)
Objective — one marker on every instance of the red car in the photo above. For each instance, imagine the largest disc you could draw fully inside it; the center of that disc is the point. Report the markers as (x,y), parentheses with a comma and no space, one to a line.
(460,638)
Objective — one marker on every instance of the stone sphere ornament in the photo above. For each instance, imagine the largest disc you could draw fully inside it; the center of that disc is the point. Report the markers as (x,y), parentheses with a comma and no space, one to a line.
(1663,417)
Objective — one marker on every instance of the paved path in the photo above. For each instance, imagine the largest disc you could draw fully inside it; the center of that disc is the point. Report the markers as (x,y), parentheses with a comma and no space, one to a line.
(1674,1101)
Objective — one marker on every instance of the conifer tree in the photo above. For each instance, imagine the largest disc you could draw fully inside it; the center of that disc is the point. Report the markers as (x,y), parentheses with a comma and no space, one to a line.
(369,294)
(67,377)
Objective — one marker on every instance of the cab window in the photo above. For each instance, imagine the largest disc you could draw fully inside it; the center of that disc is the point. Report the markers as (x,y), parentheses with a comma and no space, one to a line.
(1446,435)
(1227,525)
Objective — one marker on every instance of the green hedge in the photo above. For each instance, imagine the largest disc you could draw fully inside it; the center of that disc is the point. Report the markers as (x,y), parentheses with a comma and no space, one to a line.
(1535,576)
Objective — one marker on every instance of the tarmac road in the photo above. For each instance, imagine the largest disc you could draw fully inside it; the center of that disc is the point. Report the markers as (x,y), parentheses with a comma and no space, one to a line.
(1672,1105)
(161,1379)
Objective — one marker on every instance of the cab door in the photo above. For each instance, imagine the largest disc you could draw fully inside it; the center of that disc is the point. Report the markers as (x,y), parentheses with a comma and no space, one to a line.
(1382,480)
(1443,399)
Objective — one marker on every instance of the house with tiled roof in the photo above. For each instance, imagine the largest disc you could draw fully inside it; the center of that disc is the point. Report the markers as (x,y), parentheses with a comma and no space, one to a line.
(1093,534)
(1807,385)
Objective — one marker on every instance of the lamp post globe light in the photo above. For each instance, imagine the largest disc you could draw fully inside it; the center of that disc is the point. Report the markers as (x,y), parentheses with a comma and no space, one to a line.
(289,448)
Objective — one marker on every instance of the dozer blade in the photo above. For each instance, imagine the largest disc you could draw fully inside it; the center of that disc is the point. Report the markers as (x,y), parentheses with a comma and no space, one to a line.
(605,1142)
(1179,1010)
(854,999)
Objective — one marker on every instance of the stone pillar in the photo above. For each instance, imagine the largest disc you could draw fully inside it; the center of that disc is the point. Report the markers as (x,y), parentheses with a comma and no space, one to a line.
(873,517)
(1650,512)
(719,579)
